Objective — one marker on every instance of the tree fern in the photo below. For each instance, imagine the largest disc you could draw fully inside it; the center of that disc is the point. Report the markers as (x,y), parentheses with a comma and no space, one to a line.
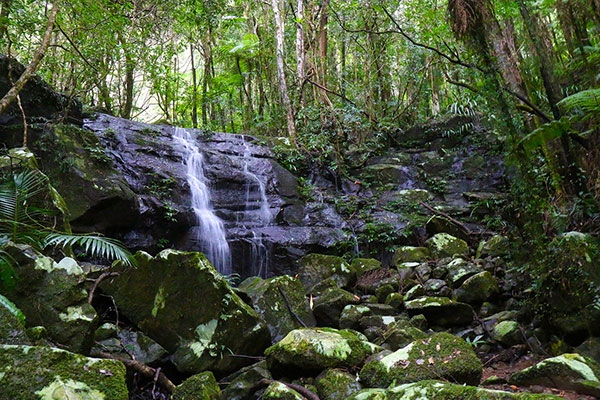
(588,101)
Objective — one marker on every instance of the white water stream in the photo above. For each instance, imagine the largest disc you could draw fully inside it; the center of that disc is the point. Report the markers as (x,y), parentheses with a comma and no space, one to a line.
(210,230)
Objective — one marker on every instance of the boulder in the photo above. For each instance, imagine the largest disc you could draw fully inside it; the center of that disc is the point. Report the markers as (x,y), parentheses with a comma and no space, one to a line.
(12,323)
(478,288)
(496,246)
(316,349)
(202,386)
(507,333)
(39,372)
(240,384)
(441,311)
(179,300)
(317,267)
(590,348)
(410,254)
(279,391)
(362,265)
(569,371)
(459,270)
(328,306)
(439,224)
(335,384)
(52,295)
(400,333)
(444,245)
(440,356)
(352,314)
(127,343)
(271,299)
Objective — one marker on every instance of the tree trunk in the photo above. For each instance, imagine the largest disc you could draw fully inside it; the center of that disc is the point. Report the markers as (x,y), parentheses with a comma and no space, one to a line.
(279,32)
(4,18)
(129,82)
(195,90)
(300,57)
(34,65)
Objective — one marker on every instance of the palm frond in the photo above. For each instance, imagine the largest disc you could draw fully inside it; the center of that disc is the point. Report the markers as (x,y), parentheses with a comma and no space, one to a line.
(97,246)
(14,310)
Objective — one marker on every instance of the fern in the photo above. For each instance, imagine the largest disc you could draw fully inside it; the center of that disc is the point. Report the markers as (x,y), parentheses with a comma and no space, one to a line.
(588,101)
(8,305)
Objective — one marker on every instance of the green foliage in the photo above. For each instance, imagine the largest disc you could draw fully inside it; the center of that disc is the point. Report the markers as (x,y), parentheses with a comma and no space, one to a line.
(586,102)
(14,310)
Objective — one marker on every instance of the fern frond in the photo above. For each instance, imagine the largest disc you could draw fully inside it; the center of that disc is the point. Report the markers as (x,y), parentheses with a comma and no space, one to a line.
(9,305)
(587,101)
(93,245)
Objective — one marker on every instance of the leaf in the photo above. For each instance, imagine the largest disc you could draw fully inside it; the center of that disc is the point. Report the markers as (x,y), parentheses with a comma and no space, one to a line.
(94,245)
(9,305)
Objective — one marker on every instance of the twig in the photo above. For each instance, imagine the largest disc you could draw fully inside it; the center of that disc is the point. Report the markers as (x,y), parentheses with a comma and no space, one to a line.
(454,221)
(289,307)
(142,369)
(102,276)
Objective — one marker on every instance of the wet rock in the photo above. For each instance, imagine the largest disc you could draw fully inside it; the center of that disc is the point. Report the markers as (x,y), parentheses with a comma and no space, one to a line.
(328,307)
(52,295)
(37,372)
(444,245)
(440,356)
(316,349)
(12,323)
(279,391)
(272,306)
(410,254)
(129,343)
(317,267)
(459,270)
(179,300)
(508,333)
(433,286)
(414,292)
(334,384)
(567,371)
(590,348)
(240,383)
(395,300)
(202,386)
(478,288)
(441,311)
(351,316)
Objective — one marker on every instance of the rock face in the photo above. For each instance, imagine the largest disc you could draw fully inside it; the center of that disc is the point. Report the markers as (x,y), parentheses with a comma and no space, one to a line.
(202,386)
(315,349)
(12,323)
(180,301)
(52,295)
(567,371)
(36,372)
(439,356)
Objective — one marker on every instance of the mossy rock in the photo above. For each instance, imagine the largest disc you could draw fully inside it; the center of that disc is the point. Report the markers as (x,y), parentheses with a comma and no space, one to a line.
(12,323)
(440,356)
(272,306)
(317,267)
(478,288)
(45,373)
(362,265)
(569,371)
(179,300)
(241,383)
(52,295)
(459,270)
(410,254)
(382,174)
(335,384)
(279,391)
(395,300)
(507,333)
(329,305)
(496,246)
(315,349)
(441,311)
(201,386)
(440,224)
(369,394)
(438,390)
(590,348)
(352,314)
(444,245)
(401,333)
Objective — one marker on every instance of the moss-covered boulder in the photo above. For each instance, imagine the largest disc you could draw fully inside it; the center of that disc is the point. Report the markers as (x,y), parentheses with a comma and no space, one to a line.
(52,295)
(315,349)
(279,391)
(127,343)
(410,254)
(459,270)
(201,386)
(440,356)
(240,384)
(568,371)
(369,394)
(444,245)
(440,224)
(12,323)
(45,373)
(478,288)
(400,333)
(185,305)
(271,299)
(590,348)
(317,267)
(352,314)
(335,384)
(441,311)
(439,390)
(496,246)
(329,305)
(507,332)
(362,265)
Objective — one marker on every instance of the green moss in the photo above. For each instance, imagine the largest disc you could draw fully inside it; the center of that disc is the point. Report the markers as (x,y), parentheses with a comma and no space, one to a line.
(317,267)
(334,384)
(410,254)
(441,355)
(444,245)
(202,386)
(32,372)
(279,391)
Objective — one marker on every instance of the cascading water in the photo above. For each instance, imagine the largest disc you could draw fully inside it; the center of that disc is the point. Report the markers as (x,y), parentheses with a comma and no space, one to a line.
(210,231)
(257,205)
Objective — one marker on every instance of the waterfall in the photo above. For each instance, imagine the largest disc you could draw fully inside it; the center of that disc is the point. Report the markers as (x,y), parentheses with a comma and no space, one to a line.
(210,231)
(257,204)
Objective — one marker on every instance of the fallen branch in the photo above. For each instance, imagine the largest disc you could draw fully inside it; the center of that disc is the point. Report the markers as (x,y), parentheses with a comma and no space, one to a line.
(300,389)
(102,276)
(453,220)
(153,374)
(289,307)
